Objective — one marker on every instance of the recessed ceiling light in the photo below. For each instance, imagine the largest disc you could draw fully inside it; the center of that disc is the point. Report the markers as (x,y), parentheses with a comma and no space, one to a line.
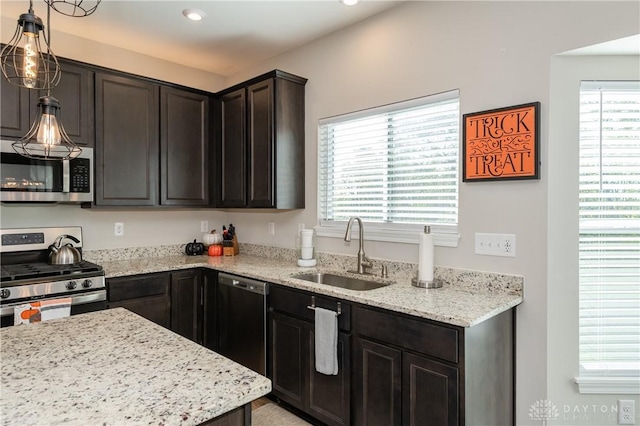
(194,14)
(349,2)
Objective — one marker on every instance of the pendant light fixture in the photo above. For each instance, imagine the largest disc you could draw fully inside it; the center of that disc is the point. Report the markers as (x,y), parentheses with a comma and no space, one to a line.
(24,61)
(47,139)
(74,8)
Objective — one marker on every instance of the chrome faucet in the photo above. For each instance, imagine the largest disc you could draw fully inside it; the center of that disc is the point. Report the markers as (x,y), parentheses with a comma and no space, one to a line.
(363,260)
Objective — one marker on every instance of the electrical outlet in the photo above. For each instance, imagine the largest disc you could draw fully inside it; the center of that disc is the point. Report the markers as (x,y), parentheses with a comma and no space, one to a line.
(495,244)
(626,412)
(204,226)
(118,229)
(272,228)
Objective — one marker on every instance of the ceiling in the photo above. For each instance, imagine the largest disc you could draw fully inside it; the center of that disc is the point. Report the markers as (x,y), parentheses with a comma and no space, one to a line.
(233,36)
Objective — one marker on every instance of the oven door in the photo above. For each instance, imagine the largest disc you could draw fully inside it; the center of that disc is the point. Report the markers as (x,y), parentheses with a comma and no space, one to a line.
(80,304)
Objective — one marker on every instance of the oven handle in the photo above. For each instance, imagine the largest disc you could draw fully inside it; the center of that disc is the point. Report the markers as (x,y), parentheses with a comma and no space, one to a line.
(76,299)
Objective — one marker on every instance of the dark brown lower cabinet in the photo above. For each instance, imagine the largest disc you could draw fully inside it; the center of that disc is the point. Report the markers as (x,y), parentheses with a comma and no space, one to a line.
(289,359)
(146,295)
(393,387)
(209,317)
(293,375)
(411,371)
(329,396)
(430,390)
(378,384)
(187,304)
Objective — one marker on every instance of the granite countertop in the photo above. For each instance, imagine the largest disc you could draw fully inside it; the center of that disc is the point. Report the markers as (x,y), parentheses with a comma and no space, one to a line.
(114,367)
(467,297)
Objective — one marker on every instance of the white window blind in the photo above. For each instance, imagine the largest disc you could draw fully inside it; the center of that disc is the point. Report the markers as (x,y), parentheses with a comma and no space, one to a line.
(609,224)
(395,166)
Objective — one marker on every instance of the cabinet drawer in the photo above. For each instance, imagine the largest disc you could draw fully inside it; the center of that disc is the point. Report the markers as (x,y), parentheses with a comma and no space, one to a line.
(295,303)
(413,334)
(137,286)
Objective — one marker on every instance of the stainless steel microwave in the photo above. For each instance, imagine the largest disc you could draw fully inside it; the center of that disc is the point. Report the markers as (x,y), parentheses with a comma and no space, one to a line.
(27,180)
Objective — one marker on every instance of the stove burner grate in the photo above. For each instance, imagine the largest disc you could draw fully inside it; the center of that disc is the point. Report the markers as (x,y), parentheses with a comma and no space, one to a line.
(25,271)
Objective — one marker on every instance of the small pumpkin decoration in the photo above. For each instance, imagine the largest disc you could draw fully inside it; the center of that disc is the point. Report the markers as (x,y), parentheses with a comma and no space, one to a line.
(212,238)
(215,250)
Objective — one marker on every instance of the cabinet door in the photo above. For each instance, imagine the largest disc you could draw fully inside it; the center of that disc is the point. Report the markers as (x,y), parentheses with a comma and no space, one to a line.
(378,384)
(261,144)
(289,359)
(209,320)
(186,304)
(15,110)
(232,151)
(429,392)
(126,141)
(184,148)
(75,94)
(146,295)
(330,396)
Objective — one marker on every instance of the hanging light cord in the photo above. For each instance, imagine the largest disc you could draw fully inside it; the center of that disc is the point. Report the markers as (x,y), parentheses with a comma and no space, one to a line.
(48,44)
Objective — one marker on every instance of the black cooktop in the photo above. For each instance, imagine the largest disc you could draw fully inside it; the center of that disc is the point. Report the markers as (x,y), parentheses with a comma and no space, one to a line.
(25,271)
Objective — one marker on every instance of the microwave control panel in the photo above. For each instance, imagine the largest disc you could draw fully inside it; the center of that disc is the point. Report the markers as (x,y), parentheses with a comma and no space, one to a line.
(80,175)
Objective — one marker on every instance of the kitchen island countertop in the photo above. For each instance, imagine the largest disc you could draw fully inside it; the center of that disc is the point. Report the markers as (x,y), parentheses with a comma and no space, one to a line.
(466,299)
(114,367)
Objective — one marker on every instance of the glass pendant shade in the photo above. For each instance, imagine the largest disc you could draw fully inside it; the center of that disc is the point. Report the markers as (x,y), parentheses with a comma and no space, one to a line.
(74,8)
(47,139)
(24,61)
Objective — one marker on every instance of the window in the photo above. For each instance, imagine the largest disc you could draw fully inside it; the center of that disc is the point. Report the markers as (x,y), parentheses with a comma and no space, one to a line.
(609,240)
(395,166)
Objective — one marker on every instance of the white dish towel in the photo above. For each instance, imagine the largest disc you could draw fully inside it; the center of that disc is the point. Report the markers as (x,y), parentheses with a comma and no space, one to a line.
(326,341)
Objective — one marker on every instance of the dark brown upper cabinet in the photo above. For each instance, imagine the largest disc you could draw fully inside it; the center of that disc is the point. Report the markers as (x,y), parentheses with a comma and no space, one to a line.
(152,146)
(184,148)
(75,94)
(15,115)
(127,143)
(259,139)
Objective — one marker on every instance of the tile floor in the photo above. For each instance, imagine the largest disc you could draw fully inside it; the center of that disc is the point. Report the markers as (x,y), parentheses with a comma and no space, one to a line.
(267,413)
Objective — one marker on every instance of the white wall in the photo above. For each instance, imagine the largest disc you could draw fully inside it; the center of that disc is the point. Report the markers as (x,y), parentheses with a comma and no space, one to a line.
(81,49)
(562,293)
(498,54)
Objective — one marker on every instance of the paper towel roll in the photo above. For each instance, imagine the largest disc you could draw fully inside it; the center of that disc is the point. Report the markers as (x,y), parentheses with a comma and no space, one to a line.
(306,238)
(425,256)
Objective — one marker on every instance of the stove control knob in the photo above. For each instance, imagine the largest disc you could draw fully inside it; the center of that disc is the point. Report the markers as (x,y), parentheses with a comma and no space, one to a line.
(87,283)
(71,285)
(4,293)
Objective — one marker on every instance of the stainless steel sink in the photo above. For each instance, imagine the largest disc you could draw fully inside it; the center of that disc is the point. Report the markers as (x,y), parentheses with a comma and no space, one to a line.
(350,283)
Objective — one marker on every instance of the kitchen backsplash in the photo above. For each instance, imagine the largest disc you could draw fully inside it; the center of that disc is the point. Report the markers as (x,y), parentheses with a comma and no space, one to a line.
(108,255)
(462,278)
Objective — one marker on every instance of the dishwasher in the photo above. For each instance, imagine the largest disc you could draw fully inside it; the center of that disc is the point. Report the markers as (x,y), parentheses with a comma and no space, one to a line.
(241,306)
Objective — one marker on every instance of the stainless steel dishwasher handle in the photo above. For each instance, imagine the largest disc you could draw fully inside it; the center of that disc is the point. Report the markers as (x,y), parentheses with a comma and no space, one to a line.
(242,283)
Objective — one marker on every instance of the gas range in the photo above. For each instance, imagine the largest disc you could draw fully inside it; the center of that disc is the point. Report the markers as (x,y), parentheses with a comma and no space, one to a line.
(26,276)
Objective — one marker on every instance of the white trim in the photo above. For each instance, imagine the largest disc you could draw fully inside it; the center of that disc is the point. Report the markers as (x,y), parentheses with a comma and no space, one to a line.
(437,97)
(444,236)
(609,85)
(609,385)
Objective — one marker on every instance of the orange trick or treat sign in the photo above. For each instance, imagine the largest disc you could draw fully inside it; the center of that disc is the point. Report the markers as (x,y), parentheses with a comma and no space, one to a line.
(501,143)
